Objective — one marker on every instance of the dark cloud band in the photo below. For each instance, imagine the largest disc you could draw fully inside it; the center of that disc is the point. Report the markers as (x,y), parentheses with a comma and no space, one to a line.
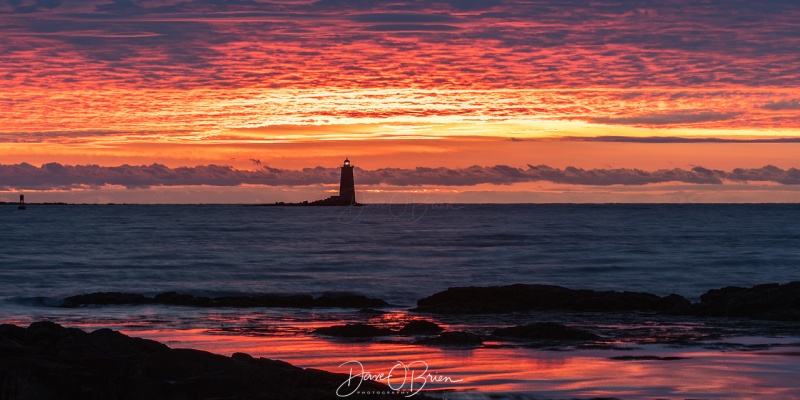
(64,177)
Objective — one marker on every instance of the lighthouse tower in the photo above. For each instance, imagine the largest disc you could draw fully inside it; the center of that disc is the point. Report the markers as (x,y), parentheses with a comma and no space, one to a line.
(347,188)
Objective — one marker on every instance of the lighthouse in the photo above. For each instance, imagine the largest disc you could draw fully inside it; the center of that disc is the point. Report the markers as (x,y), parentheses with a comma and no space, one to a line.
(347,188)
(347,192)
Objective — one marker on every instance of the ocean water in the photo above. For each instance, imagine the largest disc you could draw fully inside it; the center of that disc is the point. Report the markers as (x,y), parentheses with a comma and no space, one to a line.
(397,252)
(404,252)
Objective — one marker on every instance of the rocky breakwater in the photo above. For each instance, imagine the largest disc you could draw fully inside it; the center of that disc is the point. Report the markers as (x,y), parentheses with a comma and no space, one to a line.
(770,301)
(520,297)
(342,300)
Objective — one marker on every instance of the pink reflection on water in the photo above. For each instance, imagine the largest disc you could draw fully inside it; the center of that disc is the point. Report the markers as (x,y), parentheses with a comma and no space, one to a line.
(498,369)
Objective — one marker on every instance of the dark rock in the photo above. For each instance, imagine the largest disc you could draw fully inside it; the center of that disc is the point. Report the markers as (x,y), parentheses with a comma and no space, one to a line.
(243,357)
(105,298)
(544,331)
(173,298)
(52,362)
(347,300)
(13,340)
(501,299)
(179,299)
(14,333)
(676,304)
(343,300)
(45,329)
(458,338)
(420,326)
(354,331)
(106,342)
(768,301)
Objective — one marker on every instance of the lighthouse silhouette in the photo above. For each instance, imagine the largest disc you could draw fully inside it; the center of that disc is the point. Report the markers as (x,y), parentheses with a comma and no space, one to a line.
(347,192)
(347,187)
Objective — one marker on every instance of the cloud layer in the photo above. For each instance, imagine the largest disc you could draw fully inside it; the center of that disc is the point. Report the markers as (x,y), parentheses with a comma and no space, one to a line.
(54,176)
(133,66)
(419,43)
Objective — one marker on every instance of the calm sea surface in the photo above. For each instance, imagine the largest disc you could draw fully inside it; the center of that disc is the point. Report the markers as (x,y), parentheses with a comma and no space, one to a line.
(401,253)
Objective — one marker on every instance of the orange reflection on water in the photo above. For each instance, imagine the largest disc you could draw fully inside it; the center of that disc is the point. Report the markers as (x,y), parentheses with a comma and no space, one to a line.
(499,369)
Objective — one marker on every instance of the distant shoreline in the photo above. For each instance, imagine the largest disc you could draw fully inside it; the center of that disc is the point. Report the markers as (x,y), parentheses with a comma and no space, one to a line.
(300,204)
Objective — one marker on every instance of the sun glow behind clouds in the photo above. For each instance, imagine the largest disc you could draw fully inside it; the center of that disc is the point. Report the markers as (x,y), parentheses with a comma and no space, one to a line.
(198,114)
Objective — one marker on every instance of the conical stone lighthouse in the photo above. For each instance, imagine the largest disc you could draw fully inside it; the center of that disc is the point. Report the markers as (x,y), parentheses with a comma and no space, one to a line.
(347,186)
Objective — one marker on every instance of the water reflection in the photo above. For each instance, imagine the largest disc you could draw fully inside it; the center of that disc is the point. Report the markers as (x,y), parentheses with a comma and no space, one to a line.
(491,370)
(636,365)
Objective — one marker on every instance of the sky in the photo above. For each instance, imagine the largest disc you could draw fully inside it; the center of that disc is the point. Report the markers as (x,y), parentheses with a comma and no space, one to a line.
(249,101)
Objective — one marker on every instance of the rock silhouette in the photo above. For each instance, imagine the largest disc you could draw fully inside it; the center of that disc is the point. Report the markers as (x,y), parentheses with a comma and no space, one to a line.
(768,301)
(106,298)
(772,301)
(519,297)
(47,361)
(420,327)
(354,331)
(343,300)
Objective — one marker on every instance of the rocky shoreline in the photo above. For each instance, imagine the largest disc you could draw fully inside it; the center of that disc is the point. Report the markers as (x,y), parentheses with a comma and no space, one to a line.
(47,361)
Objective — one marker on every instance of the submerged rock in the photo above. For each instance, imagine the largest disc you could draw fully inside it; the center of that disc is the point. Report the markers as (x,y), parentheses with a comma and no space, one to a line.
(420,326)
(769,301)
(47,361)
(105,298)
(368,331)
(457,338)
(519,297)
(181,299)
(354,331)
(544,331)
